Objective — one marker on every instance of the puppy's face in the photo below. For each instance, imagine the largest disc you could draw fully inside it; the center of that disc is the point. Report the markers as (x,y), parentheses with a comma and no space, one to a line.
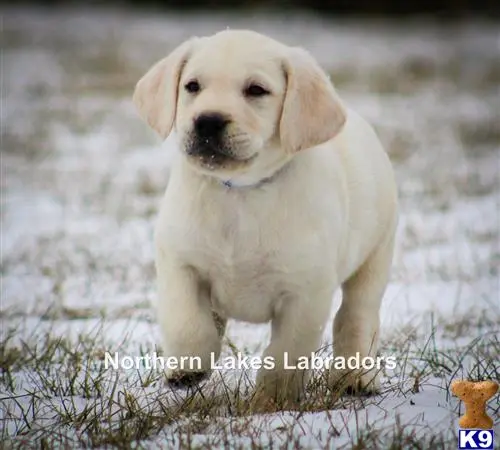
(230,97)
(241,103)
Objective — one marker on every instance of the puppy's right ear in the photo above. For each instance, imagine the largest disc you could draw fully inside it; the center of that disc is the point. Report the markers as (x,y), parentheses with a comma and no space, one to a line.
(155,94)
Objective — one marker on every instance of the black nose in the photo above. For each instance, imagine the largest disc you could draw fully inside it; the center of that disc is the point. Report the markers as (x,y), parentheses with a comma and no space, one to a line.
(210,125)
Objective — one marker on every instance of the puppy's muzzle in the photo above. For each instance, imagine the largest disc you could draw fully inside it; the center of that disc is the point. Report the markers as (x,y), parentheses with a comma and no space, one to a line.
(208,142)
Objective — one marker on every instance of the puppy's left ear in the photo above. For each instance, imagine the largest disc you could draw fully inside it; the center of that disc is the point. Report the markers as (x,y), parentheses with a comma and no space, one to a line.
(155,95)
(312,112)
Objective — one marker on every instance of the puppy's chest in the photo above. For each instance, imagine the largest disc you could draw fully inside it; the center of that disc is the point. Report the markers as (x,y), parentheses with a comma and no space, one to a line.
(244,271)
(243,290)
(251,255)
(243,256)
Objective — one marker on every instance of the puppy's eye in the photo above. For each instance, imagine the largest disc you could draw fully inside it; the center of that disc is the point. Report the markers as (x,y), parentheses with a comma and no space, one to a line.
(192,87)
(254,90)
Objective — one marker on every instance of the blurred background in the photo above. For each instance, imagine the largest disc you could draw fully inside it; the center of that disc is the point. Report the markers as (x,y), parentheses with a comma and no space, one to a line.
(445,8)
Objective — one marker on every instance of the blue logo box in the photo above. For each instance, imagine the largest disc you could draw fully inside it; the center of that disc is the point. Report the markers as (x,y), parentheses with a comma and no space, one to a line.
(476,439)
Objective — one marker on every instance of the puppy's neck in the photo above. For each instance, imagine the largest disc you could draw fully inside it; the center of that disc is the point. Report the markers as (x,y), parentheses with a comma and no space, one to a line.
(249,184)
(254,179)
(258,176)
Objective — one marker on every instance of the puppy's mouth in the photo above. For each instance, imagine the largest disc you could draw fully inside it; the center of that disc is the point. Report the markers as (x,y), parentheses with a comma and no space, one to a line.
(212,155)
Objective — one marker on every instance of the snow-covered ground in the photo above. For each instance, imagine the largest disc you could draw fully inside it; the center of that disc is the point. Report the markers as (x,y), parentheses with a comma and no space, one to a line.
(81,181)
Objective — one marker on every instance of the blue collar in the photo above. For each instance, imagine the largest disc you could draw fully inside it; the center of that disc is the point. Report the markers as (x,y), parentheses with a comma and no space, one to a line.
(230,185)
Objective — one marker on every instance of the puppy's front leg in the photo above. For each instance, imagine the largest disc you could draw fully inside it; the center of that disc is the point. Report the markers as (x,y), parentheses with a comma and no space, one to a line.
(297,329)
(190,333)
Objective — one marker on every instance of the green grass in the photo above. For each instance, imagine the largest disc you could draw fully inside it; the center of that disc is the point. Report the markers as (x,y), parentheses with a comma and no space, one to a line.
(66,396)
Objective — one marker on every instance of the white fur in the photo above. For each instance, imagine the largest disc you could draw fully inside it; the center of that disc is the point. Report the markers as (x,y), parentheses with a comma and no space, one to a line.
(275,249)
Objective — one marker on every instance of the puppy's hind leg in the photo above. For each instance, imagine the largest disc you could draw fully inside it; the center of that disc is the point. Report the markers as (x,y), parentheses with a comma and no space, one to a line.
(356,325)
(191,331)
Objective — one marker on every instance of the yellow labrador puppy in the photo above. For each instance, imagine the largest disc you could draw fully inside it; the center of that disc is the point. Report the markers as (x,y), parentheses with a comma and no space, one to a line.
(279,195)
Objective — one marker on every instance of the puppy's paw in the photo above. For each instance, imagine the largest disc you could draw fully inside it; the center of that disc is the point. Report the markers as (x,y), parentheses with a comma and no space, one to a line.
(277,391)
(184,379)
(355,382)
(262,403)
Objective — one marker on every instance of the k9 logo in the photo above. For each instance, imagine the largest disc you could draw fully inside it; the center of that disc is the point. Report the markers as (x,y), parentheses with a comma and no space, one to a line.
(475,439)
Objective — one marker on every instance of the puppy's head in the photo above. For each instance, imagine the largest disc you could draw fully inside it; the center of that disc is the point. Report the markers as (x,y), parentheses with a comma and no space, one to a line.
(241,103)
